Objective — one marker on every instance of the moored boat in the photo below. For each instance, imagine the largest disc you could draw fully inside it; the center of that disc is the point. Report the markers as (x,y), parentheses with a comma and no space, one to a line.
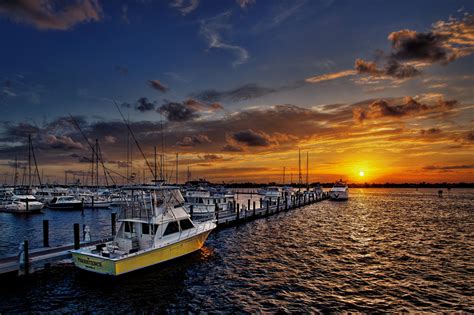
(340,191)
(149,233)
(65,203)
(23,204)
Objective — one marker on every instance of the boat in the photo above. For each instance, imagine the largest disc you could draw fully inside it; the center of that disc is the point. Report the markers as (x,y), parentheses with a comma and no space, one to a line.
(94,201)
(318,190)
(65,203)
(204,200)
(46,195)
(148,234)
(23,204)
(271,194)
(340,191)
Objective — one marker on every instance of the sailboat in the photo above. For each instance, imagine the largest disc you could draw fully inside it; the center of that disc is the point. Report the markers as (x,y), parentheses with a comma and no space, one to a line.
(149,233)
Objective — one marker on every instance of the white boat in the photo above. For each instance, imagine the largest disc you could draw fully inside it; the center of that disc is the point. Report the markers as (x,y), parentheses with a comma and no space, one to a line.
(204,200)
(46,195)
(24,204)
(94,201)
(271,193)
(65,203)
(148,234)
(340,191)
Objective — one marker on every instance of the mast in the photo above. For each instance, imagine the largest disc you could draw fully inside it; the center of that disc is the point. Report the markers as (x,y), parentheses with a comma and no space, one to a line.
(97,164)
(162,151)
(29,161)
(177,164)
(307,167)
(284,169)
(299,168)
(154,177)
(15,178)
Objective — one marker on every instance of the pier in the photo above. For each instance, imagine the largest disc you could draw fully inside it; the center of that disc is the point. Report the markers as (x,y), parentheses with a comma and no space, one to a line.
(38,258)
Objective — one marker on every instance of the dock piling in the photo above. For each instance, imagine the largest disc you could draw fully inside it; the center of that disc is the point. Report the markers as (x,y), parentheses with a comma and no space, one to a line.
(45,233)
(254,209)
(113,220)
(278,204)
(268,207)
(77,243)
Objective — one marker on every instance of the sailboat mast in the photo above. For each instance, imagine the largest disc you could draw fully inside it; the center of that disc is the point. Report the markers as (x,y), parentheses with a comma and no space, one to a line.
(29,161)
(307,167)
(97,163)
(177,164)
(299,167)
(284,169)
(154,177)
(15,179)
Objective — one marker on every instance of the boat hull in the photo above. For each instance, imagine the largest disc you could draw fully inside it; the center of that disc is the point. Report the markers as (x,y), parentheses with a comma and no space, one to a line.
(115,267)
(65,206)
(338,195)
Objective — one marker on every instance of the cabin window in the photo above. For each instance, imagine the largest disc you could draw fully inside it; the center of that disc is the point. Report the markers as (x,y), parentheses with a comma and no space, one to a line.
(200,200)
(129,227)
(186,224)
(171,228)
(145,228)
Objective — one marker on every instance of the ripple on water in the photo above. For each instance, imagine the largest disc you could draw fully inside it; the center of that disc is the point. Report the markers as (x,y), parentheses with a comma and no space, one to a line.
(384,250)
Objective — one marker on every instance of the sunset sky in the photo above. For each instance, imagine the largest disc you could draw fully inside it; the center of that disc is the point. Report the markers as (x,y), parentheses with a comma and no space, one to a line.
(379,87)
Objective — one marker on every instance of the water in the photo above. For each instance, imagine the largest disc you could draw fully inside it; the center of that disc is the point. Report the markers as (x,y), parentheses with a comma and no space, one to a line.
(383,250)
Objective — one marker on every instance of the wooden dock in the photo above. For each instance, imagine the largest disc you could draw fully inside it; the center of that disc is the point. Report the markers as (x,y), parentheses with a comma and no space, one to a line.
(40,258)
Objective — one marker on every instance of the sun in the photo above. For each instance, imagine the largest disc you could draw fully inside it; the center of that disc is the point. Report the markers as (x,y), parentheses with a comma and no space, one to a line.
(361,173)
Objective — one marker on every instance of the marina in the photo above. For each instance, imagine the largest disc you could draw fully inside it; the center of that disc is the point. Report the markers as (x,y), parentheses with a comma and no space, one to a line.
(236,157)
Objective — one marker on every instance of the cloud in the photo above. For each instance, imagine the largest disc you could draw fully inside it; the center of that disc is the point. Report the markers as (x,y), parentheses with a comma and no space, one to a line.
(430,131)
(232,148)
(185,7)
(125,14)
(331,76)
(408,107)
(449,167)
(412,50)
(211,157)
(62,142)
(244,3)
(122,70)
(252,138)
(193,140)
(157,85)
(241,93)
(51,15)
(187,110)
(144,105)
(212,30)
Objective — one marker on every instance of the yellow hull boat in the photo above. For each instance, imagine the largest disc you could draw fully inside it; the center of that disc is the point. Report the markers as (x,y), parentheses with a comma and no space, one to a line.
(142,259)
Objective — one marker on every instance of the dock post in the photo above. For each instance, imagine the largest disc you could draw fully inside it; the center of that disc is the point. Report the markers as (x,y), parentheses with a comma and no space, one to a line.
(254,213)
(45,233)
(278,204)
(248,205)
(216,210)
(238,212)
(268,207)
(113,220)
(26,257)
(233,206)
(92,201)
(191,210)
(77,243)
(261,203)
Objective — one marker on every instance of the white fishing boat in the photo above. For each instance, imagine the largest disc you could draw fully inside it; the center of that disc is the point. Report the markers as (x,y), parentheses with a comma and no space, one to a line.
(340,191)
(65,203)
(204,200)
(148,234)
(23,204)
